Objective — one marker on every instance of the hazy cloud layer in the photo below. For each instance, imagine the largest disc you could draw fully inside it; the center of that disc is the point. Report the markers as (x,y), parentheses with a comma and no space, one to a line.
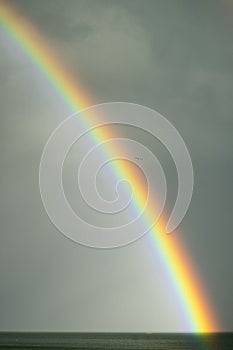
(173,56)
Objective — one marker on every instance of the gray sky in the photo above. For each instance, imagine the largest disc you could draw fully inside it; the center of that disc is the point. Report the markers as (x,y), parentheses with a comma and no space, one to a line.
(172,56)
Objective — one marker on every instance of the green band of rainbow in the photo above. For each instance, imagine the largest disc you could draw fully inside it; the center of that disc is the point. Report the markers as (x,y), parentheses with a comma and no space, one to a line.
(170,249)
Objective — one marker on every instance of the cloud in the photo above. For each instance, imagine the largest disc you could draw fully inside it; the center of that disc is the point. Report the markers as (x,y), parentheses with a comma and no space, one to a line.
(173,56)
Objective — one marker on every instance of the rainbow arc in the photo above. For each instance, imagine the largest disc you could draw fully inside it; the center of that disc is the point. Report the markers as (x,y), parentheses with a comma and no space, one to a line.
(178,265)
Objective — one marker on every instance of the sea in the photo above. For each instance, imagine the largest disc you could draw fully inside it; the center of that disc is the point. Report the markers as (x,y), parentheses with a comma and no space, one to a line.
(116,341)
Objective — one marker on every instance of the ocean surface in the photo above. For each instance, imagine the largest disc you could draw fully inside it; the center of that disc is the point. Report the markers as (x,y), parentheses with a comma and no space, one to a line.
(116,341)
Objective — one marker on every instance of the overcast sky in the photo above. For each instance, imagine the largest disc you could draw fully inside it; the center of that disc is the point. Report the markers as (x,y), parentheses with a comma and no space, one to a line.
(173,56)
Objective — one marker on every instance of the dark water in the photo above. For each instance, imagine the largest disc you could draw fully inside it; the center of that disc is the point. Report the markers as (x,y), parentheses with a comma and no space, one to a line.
(116,341)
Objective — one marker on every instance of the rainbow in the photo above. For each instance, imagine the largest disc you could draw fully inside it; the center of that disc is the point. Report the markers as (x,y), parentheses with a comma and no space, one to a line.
(177,263)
